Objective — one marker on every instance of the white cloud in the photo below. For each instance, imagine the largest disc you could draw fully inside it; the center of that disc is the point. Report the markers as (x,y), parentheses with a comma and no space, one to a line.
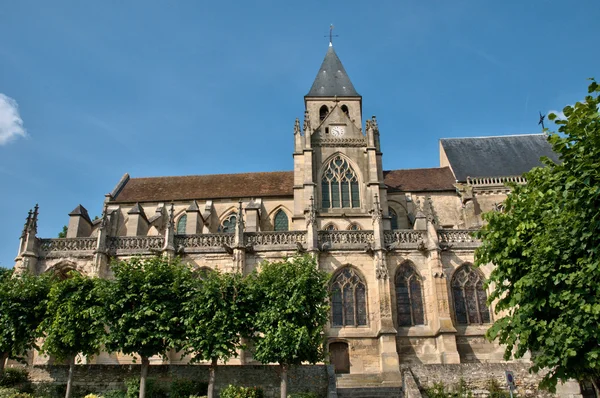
(11,124)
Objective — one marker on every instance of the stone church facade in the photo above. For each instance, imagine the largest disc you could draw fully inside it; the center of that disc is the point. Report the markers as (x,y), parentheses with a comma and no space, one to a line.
(397,242)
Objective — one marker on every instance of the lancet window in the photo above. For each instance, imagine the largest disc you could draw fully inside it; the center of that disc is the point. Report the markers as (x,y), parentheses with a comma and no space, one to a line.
(228,224)
(409,296)
(281,222)
(393,218)
(469,296)
(345,110)
(348,299)
(330,227)
(323,112)
(339,185)
(181,224)
(354,227)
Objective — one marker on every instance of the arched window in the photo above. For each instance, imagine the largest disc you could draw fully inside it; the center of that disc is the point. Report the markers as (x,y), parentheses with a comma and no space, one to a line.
(394,218)
(181,225)
(409,297)
(228,224)
(345,110)
(281,221)
(330,227)
(348,299)
(354,227)
(469,296)
(339,185)
(323,111)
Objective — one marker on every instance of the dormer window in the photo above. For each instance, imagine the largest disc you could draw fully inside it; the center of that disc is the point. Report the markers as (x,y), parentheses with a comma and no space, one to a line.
(323,112)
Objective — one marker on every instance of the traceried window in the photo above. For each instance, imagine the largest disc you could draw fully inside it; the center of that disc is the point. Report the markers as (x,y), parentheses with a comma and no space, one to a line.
(394,218)
(348,299)
(181,225)
(339,185)
(469,297)
(228,224)
(354,227)
(323,111)
(330,227)
(409,297)
(281,221)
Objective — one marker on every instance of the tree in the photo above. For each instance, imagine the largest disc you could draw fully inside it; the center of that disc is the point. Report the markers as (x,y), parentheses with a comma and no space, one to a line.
(144,309)
(292,312)
(63,234)
(75,320)
(217,316)
(545,247)
(22,308)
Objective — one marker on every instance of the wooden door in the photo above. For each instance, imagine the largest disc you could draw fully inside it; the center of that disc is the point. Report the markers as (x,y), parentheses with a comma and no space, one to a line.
(339,357)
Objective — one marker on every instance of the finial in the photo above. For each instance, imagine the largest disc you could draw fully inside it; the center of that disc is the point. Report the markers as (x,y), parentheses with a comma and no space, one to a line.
(297,127)
(306,126)
(27,222)
(104,221)
(34,218)
(172,215)
(542,117)
(377,202)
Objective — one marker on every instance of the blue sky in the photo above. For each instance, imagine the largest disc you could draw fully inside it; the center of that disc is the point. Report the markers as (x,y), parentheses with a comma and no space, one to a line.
(158,88)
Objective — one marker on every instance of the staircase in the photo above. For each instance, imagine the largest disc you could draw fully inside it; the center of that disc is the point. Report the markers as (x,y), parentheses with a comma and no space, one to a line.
(367,386)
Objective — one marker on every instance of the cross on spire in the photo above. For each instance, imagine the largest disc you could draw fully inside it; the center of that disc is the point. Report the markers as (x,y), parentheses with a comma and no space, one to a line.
(331,35)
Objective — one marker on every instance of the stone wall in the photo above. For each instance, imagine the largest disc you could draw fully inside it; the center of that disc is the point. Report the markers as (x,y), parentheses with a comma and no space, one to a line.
(100,378)
(477,378)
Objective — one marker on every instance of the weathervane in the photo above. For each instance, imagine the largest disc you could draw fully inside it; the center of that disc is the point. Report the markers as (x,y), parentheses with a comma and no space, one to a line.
(542,117)
(331,35)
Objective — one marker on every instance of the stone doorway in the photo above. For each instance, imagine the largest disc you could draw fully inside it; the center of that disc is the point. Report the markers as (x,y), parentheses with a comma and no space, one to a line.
(339,357)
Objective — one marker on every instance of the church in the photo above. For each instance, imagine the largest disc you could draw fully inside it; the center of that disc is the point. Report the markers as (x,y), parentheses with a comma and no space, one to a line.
(398,243)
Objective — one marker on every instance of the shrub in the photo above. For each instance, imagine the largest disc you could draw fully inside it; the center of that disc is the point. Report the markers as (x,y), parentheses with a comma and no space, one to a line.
(153,389)
(8,392)
(439,391)
(241,392)
(115,394)
(11,377)
(184,388)
(496,390)
(303,395)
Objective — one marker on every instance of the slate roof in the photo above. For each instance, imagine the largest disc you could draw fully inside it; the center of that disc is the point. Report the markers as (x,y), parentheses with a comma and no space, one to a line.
(273,184)
(332,79)
(501,156)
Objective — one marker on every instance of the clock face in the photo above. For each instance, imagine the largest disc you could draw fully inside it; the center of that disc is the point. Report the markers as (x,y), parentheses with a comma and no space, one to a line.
(338,131)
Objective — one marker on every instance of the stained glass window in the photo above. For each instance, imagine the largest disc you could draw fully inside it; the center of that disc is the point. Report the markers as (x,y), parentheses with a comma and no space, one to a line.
(281,221)
(330,227)
(354,227)
(409,297)
(339,186)
(228,224)
(181,225)
(348,299)
(469,297)
(394,218)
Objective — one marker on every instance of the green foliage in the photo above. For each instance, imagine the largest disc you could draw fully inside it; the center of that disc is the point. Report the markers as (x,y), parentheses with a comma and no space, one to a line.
(8,392)
(232,391)
(217,314)
(11,377)
(74,320)
(153,388)
(144,305)
(22,308)
(496,390)
(115,394)
(546,252)
(439,390)
(291,296)
(303,395)
(184,388)
(63,234)
(52,390)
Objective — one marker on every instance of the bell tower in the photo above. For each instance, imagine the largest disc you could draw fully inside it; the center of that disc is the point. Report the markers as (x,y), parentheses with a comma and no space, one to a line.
(335,162)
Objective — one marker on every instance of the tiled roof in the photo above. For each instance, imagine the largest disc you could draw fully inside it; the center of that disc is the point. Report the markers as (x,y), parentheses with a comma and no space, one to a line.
(415,180)
(272,184)
(499,156)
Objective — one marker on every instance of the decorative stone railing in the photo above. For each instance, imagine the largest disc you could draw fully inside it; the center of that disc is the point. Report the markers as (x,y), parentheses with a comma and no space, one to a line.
(67,245)
(456,238)
(408,238)
(203,242)
(329,240)
(135,244)
(494,181)
(275,240)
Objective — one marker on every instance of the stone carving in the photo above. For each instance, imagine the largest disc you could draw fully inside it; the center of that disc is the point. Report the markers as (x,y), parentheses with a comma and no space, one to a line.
(311,213)
(376,212)
(67,245)
(306,126)
(275,238)
(341,238)
(136,243)
(204,240)
(381,271)
(456,236)
(403,236)
(297,127)
(339,142)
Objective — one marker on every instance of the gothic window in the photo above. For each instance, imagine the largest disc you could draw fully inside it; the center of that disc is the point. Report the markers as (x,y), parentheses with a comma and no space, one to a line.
(281,221)
(339,185)
(469,297)
(348,299)
(354,227)
(345,110)
(228,224)
(394,218)
(181,225)
(323,112)
(330,227)
(409,297)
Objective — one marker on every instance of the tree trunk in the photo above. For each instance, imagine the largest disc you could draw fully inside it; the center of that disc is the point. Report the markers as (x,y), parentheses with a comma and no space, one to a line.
(143,376)
(284,369)
(3,360)
(70,378)
(595,384)
(211,378)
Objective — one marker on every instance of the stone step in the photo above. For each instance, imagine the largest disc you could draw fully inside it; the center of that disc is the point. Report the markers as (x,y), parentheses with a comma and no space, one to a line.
(370,392)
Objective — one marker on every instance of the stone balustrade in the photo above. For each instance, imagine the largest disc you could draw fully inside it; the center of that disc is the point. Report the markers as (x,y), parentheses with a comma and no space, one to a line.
(404,238)
(50,246)
(276,240)
(458,238)
(332,240)
(203,242)
(135,244)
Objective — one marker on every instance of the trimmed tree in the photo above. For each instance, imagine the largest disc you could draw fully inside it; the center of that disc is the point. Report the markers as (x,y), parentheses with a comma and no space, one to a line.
(545,247)
(292,313)
(22,308)
(144,310)
(75,320)
(217,316)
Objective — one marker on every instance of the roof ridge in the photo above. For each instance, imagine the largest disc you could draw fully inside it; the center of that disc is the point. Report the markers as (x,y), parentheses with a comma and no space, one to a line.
(418,168)
(218,174)
(492,136)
